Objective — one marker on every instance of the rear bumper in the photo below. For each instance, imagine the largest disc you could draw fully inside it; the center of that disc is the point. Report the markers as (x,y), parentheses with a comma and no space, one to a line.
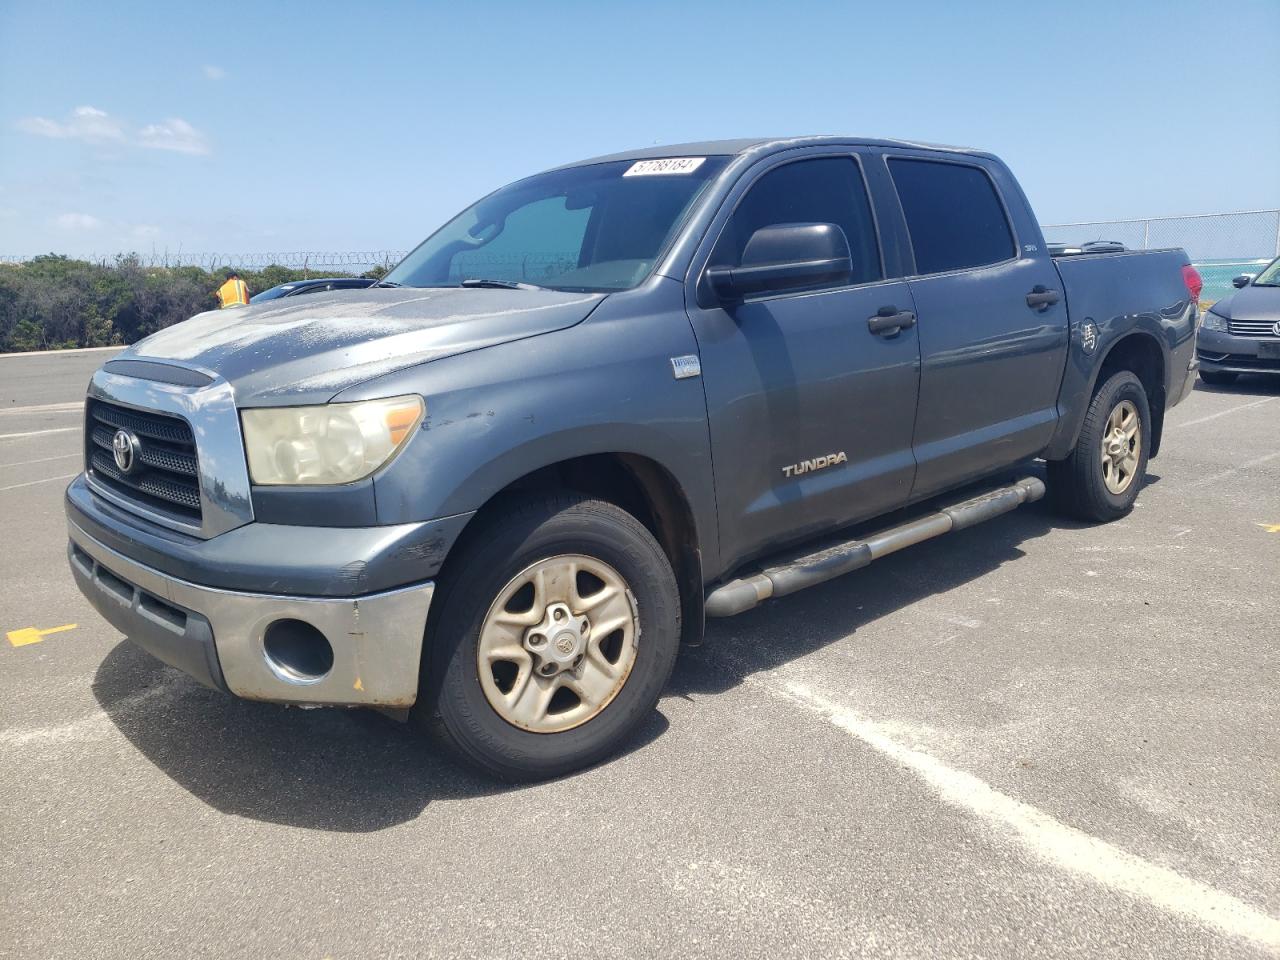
(218,636)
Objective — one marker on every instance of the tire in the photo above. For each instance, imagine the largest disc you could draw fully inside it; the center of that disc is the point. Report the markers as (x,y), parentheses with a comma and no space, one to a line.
(1083,485)
(1218,379)
(551,535)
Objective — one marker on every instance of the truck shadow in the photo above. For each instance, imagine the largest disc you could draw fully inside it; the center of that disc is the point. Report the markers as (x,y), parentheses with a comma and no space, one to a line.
(806,622)
(349,771)
(1250,385)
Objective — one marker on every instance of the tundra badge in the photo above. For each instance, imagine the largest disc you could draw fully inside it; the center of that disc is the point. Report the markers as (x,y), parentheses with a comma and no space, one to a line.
(817,463)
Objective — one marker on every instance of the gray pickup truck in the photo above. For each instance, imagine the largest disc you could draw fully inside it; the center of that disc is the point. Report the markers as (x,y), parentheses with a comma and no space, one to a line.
(496,492)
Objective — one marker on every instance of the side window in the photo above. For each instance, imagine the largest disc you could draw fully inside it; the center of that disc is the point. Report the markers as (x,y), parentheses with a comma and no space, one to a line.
(824,190)
(953,214)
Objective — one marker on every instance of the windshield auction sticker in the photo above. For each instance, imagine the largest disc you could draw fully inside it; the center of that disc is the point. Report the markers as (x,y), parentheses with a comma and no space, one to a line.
(653,168)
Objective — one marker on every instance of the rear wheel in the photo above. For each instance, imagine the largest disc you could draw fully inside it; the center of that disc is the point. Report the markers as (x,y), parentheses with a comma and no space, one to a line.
(1101,478)
(1218,378)
(560,626)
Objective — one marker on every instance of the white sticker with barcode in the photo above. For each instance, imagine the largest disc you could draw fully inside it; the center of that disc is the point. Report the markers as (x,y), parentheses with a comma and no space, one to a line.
(669,165)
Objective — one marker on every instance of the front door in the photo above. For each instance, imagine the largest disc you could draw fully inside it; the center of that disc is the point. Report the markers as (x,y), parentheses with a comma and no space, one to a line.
(811,412)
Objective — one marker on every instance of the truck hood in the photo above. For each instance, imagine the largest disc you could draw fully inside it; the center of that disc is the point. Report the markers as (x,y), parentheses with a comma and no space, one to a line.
(309,349)
(1250,303)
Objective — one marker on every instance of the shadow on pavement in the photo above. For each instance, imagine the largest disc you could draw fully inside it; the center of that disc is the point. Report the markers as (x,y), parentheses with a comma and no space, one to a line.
(808,621)
(355,771)
(329,769)
(1249,385)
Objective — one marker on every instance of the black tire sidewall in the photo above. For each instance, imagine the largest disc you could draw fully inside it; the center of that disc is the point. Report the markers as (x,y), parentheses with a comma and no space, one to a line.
(524,536)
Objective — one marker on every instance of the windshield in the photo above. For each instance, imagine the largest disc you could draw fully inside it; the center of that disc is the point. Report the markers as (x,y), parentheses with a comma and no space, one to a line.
(1270,277)
(592,228)
(275,293)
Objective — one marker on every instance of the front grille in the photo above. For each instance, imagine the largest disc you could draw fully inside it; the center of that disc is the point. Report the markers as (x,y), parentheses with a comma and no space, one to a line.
(166,476)
(1259,329)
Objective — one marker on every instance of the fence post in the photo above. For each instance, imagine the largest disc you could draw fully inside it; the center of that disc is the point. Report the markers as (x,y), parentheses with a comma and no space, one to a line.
(1146,234)
(1278,233)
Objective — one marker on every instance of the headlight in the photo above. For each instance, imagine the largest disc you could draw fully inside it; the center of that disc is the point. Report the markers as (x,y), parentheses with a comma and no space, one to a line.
(1213,321)
(334,443)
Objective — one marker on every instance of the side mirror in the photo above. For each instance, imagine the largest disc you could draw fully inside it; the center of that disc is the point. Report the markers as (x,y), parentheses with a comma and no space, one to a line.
(786,256)
(1242,281)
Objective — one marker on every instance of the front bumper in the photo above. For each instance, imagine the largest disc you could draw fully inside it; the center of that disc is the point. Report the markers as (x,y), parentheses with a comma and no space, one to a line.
(1224,353)
(219,636)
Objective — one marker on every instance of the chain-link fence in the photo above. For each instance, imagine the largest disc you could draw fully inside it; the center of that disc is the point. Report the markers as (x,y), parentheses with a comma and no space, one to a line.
(1221,245)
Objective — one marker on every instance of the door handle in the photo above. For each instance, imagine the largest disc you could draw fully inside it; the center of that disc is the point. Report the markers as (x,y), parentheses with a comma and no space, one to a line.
(1041,298)
(889,320)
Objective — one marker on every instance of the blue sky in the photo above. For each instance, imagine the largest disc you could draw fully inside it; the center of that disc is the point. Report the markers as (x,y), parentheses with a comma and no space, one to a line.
(278,127)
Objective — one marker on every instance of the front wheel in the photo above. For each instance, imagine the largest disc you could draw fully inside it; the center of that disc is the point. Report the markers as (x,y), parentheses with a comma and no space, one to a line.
(559,628)
(1101,478)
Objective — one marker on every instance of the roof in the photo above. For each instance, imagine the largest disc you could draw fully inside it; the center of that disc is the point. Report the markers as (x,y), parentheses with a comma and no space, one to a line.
(713,148)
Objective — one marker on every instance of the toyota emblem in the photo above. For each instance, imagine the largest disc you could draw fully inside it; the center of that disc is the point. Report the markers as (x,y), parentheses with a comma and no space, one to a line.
(124,447)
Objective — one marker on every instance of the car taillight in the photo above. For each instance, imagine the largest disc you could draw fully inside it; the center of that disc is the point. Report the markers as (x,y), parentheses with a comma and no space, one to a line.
(1191,277)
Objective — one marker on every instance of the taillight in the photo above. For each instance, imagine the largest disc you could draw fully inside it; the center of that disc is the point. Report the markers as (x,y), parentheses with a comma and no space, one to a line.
(1191,277)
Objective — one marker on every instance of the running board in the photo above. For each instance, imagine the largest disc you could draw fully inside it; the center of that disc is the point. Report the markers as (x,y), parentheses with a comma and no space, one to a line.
(738,596)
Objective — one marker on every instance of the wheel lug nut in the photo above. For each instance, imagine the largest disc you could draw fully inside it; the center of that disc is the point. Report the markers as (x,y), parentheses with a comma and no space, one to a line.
(559,614)
(537,640)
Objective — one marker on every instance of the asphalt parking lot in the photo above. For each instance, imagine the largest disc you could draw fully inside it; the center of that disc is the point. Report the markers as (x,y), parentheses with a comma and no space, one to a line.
(1031,738)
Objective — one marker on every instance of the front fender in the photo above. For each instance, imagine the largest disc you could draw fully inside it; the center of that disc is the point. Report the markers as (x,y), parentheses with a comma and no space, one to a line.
(501,413)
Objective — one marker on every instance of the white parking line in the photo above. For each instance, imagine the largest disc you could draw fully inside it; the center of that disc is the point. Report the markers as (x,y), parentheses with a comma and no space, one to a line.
(55,353)
(1232,471)
(1050,839)
(1223,413)
(36,433)
(95,725)
(32,483)
(23,463)
(45,408)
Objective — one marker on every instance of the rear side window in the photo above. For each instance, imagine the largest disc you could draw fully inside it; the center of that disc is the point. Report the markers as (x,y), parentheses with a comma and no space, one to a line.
(823,190)
(953,214)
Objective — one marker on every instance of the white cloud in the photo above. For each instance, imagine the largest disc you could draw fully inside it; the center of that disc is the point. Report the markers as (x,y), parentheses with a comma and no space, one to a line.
(212,72)
(77,222)
(173,134)
(85,123)
(144,231)
(91,125)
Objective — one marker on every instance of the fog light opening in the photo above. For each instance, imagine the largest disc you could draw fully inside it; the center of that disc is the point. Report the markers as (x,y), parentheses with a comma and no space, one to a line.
(297,651)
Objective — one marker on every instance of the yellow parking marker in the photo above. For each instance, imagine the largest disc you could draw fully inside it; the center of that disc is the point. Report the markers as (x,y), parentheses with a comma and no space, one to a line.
(1270,527)
(20,638)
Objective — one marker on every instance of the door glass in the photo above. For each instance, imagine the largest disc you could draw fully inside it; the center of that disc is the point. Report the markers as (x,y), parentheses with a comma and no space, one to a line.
(824,190)
(953,214)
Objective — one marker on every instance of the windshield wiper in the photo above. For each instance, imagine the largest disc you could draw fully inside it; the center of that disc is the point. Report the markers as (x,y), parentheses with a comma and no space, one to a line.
(499,284)
(388,283)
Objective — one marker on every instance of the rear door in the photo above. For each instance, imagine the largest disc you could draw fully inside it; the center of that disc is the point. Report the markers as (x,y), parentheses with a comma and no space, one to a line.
(810,412)
(991,359)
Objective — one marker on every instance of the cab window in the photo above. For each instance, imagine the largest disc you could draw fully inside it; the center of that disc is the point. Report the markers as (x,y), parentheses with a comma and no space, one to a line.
(822,190)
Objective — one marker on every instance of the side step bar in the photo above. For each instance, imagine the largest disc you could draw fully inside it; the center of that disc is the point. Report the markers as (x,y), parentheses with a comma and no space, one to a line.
(738,596)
